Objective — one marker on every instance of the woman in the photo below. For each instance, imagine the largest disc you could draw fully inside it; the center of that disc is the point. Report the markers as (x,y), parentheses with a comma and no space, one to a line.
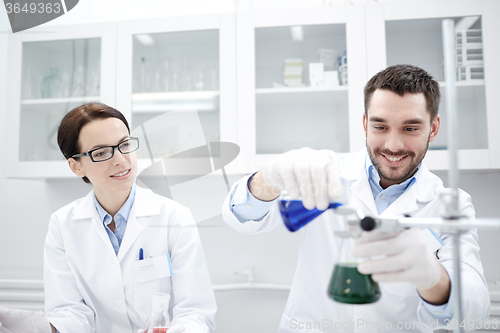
(107,253)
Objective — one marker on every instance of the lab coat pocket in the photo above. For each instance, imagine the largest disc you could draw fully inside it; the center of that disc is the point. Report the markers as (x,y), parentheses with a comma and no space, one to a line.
(402,289)
(151,276)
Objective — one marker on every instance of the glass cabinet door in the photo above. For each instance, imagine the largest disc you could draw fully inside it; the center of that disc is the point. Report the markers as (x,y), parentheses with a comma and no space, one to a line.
(419,42)
(56,77)
(301,88)
(175,90)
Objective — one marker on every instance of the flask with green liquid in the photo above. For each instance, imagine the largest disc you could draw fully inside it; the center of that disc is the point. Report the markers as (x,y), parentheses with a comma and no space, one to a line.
(347,285)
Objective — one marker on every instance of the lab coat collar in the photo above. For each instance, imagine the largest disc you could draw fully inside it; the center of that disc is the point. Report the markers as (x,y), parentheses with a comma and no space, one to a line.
(422,191)
(145,204)
(354,172)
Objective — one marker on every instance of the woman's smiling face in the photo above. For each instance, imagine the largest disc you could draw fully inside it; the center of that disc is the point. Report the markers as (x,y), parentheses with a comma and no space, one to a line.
(113,175)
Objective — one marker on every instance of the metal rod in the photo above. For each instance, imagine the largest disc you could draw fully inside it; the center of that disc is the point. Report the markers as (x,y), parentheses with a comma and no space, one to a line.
(448,26)
(451,111)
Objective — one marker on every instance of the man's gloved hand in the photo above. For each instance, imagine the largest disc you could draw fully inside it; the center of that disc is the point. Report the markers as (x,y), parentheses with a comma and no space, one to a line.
(407,258)
(22,321)
(306,173)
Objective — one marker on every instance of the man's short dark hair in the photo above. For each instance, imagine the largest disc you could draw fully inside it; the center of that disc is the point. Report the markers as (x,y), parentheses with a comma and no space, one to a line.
(403,79)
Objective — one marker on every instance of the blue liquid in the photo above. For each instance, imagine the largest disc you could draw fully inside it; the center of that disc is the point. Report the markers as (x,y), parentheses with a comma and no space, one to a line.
(295,215)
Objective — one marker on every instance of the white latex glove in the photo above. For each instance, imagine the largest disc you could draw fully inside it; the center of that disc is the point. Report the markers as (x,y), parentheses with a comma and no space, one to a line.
(22,321)
(407,258)
(306,173)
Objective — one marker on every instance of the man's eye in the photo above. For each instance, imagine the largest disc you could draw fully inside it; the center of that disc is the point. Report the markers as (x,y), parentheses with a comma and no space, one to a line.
(410,129)
(380,128)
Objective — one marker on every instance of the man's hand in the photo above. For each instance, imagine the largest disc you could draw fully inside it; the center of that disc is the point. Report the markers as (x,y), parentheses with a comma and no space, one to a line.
(407,259)
(306,173)
(22,321)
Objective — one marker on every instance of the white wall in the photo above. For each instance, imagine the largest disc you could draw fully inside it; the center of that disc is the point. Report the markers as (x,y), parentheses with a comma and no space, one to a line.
(26,206)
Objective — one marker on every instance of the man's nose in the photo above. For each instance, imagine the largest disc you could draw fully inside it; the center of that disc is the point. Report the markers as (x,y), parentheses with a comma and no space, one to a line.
(394,142)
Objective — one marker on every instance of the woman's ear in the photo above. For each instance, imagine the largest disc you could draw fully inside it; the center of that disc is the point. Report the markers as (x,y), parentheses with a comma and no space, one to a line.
(76,167)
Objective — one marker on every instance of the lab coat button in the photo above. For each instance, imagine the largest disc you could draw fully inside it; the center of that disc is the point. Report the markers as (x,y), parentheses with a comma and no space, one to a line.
(118,228)
(382,197)
(119,305)
(249,206)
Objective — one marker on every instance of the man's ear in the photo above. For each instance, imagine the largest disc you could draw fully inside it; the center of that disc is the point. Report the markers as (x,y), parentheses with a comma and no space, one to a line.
(76,167)
(365,122)
(434,128)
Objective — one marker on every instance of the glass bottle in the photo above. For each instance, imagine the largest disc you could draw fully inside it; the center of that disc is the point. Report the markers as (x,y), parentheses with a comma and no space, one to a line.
(51,84)
(347,285)
(159,319)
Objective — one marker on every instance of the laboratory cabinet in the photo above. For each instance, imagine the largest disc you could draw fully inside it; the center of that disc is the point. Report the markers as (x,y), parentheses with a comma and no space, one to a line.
(51,70)
(267,80)
(177,86)
(284,102)
(165,76)
(410,32)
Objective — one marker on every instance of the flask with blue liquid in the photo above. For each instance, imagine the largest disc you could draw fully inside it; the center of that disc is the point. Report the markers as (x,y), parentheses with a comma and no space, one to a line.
(295,215)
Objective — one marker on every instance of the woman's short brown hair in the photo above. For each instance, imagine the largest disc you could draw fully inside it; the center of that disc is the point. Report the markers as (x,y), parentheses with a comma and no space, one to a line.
(403,79)
(71,124)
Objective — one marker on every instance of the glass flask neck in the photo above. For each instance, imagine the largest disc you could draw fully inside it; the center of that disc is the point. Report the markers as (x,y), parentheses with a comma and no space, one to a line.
(159,319)
(346,251)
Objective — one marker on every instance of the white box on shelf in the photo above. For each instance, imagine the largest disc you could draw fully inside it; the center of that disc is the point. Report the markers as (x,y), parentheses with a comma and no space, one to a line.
(292,72)
(318,84)
(331,78)
(316,72)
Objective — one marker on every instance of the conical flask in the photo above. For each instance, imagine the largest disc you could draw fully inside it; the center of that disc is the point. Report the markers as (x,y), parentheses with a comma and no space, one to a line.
(347,285)
(295,215)
(159,319)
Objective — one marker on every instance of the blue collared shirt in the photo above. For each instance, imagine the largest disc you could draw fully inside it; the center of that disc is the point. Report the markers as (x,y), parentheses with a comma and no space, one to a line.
(385,197)
(120,218)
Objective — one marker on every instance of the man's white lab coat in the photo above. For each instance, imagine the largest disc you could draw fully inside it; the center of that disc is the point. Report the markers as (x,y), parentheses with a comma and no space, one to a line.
(99,291)
(400,308)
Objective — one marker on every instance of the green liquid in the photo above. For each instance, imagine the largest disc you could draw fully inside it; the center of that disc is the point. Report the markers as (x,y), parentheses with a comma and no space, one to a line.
(349,286)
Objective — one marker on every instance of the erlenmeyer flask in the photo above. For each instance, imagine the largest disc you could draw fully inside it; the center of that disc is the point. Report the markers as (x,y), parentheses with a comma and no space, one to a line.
(159,319)
(347,285)
(295,215)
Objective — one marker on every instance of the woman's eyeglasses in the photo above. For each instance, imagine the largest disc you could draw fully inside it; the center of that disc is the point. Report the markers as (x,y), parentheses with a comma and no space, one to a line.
(102,154)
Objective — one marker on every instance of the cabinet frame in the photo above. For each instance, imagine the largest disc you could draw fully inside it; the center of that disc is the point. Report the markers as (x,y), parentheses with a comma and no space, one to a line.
(366,49)
(14,168)
(378,14)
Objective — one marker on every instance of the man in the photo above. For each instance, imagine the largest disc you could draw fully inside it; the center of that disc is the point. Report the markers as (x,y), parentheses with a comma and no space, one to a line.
(388,178)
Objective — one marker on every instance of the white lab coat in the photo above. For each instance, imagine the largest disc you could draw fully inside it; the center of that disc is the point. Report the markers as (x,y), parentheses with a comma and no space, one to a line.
(309,309)
(98,291)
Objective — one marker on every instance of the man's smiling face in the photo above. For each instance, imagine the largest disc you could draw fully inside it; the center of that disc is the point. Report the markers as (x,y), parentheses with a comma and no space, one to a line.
(398,130)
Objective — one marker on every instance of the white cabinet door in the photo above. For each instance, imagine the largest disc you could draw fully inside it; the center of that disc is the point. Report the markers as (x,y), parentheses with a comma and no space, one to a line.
(51,71)
(300,76)
(178,87)
(410,33)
